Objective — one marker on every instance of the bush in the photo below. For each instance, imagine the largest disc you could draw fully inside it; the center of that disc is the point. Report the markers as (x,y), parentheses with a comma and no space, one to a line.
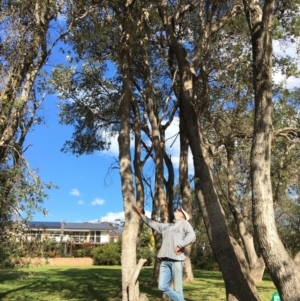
(10,254)
(108,254)
(207,263)
(80,253)
(84,251)
(146,253)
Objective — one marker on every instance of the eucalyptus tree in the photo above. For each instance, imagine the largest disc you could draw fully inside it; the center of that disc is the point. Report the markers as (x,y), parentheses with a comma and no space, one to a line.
(228,128)
(155,95)
(284,273)
(285,118)
(21,190)
(190,56)
(186,194)
(130,232)
(26,44)
(95,107)
(193,69)
(285,167)
(25,47)
(102,106)
(284,146)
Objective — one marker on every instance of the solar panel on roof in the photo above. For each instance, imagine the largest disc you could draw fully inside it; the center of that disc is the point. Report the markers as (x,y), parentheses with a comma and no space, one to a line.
(35,224)
(88,226)
(79,226)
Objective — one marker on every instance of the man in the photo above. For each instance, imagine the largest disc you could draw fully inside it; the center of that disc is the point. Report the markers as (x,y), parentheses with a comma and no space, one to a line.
(175,236)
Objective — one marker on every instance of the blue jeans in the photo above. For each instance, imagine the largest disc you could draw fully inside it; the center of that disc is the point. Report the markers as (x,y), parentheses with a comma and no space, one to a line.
(171,270)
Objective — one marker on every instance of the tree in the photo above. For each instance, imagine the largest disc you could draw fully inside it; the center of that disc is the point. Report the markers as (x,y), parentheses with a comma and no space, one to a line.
(226,249)
(25,48)
(130,270)
(95,108)
(186,197)
(280,265)
(285,167)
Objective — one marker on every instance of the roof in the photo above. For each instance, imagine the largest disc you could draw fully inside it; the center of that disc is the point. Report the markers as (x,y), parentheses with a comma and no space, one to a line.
(72,226)
(52,225)
(88,226)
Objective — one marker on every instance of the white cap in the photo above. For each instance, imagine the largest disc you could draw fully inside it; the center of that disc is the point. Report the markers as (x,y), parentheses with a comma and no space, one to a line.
(187,217)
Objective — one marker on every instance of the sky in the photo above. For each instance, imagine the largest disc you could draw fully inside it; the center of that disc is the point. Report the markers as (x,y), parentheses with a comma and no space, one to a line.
(82,194)
(88,189)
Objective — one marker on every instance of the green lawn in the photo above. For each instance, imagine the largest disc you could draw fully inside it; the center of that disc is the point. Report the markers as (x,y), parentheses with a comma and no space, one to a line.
(102,284)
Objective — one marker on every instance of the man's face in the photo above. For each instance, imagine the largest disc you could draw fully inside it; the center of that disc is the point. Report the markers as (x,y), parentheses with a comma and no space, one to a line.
(179,214)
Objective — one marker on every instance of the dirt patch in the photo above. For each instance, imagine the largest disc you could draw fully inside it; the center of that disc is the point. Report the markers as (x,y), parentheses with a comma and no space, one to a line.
(84,261)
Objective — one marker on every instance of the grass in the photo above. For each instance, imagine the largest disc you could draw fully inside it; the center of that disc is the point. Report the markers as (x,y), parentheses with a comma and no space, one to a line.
(102,284)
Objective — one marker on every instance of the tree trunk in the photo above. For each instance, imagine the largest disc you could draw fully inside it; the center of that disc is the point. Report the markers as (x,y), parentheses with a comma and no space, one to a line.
(133,286)
(169,184)
(256,264)
(160,208)
(297,260)
(185,190)
(130,291)
(281,266)
(228,253)
(138,165)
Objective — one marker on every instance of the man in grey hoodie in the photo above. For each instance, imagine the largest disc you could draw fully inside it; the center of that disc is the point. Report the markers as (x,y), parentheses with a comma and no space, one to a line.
(175,236)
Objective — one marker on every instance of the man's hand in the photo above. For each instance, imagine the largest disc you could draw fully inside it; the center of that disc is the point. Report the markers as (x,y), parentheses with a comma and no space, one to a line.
(177,250)
(139,211)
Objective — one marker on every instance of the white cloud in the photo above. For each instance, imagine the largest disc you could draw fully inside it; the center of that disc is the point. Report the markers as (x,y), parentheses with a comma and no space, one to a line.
(113,150)
(148,213)
(113,217)
(80,202)
(75,192)
(98,201)
(173,145)
(286,49)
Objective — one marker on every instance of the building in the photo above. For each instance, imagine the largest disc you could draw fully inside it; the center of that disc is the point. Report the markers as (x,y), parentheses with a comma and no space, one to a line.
(70,235)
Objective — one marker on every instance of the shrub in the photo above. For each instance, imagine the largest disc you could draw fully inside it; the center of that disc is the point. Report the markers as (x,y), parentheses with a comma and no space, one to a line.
(207,263)
(84,251)
(80,253)
(107,254)
(146,253)
(10,253)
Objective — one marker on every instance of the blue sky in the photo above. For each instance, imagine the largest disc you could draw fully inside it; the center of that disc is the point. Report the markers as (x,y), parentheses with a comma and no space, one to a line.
(88,189)
(86,192)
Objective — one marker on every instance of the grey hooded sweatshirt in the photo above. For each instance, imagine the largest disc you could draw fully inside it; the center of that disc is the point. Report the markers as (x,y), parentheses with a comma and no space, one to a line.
(179,233)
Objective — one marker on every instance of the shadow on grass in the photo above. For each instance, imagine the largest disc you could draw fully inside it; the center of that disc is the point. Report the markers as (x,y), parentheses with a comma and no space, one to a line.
(207,285)
(102,284)
(210,275)
(200,289)
(63,284)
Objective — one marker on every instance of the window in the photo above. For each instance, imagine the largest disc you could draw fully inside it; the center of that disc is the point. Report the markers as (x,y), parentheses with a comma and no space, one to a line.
(80,237)
(33,235)
(95,236)
(55,236)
